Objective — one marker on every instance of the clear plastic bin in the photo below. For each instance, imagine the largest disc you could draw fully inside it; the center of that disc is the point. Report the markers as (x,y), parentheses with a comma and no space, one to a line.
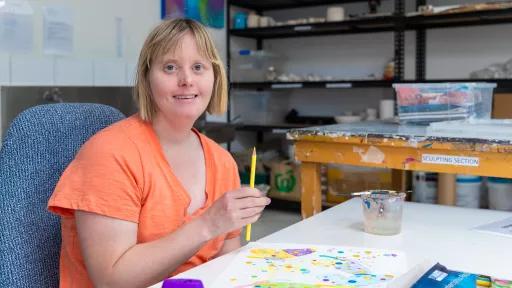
(251,66)
(432,102)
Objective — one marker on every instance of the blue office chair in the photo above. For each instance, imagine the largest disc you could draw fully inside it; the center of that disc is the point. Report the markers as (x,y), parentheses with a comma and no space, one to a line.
(38,146)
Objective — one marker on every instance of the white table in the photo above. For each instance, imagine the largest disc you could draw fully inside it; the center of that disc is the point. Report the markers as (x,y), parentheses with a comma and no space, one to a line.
(438,233)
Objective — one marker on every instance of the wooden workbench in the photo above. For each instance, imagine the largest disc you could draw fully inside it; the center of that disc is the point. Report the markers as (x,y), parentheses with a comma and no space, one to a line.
(390,145)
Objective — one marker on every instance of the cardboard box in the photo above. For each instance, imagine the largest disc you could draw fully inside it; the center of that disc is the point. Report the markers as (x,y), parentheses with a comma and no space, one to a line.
(502,106)
(285,181)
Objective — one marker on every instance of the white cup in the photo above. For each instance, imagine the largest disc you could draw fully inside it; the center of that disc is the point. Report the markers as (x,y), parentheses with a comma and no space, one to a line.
(335,13)
(371,114)
(264,21)
(253,20)
(387,109)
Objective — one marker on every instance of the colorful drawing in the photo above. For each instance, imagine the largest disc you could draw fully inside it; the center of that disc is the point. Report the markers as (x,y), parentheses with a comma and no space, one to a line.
(208,12)
(261,265)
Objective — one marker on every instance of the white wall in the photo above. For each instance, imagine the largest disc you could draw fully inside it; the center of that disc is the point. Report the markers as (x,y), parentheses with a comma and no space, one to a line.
(94,61)
(95,38)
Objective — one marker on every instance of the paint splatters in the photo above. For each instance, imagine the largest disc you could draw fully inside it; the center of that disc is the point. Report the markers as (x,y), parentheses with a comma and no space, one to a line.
(372,155)
(273,266)
(408,161)
(390,255)
(299,252)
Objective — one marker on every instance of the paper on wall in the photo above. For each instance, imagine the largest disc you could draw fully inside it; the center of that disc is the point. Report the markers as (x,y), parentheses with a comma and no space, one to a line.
(57,30)
(16,26)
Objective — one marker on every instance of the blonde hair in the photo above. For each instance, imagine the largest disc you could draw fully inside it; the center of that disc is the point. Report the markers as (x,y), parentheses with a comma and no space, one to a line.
(164,38)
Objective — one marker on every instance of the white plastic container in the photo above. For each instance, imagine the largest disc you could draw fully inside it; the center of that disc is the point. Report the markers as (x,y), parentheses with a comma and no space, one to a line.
(251,65)
(500,193)
(424,187)
(423,103)
(469,191)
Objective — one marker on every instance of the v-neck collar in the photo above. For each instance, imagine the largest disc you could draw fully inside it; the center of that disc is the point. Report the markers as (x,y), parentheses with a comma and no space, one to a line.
(174,179)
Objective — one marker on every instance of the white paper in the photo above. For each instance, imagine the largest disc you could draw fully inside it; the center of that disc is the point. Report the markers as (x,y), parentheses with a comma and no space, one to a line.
(502,227)
(16,27)
(300,265)
(57,30)
(450,160)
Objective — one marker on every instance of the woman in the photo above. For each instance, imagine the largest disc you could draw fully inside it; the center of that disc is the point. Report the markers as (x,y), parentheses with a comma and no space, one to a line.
(149,196)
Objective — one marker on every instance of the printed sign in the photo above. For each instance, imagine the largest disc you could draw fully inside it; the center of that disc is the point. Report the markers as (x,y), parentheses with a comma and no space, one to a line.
(450,160)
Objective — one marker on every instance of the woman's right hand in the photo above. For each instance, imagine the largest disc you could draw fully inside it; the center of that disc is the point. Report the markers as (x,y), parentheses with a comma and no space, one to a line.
(234,210)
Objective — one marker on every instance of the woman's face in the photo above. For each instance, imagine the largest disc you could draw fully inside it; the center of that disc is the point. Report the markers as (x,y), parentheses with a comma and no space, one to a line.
(182,81)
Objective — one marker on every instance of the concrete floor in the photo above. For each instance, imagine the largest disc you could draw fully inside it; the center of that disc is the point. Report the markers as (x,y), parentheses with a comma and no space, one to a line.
(272,221)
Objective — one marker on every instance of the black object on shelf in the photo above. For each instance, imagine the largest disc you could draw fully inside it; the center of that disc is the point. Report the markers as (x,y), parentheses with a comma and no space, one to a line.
(293,117)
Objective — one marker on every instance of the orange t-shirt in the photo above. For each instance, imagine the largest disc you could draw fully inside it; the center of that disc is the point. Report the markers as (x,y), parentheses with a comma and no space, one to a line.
(121,172)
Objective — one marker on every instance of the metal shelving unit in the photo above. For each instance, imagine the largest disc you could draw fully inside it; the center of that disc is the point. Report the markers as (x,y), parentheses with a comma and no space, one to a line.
(353,26)
(422,23)
(397,23)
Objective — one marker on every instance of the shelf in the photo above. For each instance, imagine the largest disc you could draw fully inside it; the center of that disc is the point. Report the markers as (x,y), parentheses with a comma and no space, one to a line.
(502,84)
(275,128)
(486,17)
(354,26)
(313,84)
(261,5)
(379,24)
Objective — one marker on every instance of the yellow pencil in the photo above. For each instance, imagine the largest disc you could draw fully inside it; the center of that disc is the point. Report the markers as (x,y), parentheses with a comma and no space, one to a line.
(251,183)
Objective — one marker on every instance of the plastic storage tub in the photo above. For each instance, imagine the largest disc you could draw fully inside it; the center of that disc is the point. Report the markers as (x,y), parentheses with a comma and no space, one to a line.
(469,191)
(251,65)
(432,102)
(500,193)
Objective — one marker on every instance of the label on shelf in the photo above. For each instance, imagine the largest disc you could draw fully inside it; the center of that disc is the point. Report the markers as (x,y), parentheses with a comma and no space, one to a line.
(338,85)
(286,85)
(280,131)
(303,28)
(450,160)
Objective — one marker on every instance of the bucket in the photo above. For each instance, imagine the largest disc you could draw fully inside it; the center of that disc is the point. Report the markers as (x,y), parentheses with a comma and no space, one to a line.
(424,187)
(500,193)
(469,191)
